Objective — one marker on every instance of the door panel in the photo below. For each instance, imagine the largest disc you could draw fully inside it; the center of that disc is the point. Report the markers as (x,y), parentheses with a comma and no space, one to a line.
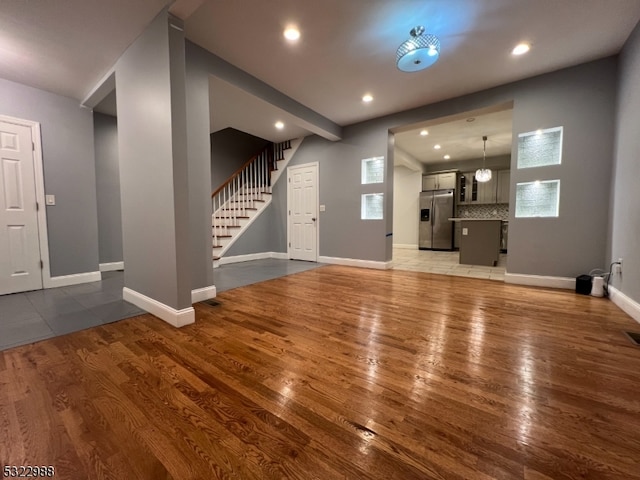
(19,242)
(303,216)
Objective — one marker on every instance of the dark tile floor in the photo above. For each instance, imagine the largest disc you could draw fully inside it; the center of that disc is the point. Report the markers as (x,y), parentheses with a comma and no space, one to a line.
(32,316)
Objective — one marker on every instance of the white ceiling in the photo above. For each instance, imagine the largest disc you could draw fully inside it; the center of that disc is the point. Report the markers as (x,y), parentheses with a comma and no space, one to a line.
(347,47)
(460,139)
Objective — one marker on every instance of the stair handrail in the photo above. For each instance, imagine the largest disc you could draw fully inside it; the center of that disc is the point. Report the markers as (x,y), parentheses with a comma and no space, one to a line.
(227,210)
(239,170)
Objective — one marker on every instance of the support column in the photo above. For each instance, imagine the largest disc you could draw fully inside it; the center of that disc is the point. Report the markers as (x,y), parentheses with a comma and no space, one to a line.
(154,174)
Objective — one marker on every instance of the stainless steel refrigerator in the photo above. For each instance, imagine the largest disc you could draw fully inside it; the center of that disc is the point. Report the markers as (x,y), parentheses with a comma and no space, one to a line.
(436,230)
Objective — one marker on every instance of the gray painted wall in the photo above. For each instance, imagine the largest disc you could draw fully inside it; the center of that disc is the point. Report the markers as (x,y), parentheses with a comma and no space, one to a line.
(581,98)
(342,232)
(150,85)
(69,173)
(264,235)
(199,159)
(230,149)
(407,185)
(108,188)
(625,198)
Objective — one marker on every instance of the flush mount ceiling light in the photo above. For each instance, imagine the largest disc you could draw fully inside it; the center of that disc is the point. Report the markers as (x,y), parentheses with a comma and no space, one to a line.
(521,49)
(419,52)
(424,133)
(483,174)
(367,98)
(292,34)
(437,147)
(279,125)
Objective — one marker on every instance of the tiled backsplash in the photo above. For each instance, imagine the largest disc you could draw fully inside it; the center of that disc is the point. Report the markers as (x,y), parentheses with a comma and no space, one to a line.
(484,211)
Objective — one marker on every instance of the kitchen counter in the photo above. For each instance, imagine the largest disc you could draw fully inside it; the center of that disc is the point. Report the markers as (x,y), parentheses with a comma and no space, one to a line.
(480,241)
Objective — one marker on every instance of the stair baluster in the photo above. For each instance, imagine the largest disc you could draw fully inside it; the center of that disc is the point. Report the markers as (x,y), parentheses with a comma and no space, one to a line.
(237,197)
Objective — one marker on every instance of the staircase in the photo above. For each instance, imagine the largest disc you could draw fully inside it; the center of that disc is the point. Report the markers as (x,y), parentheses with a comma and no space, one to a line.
(245,195)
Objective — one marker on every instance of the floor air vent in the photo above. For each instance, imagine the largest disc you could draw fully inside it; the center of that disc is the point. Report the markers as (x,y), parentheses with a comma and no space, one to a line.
(212,303)
(634,337)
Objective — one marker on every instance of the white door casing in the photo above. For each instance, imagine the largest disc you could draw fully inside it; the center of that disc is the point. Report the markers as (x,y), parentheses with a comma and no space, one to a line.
(23,227)
(302,199)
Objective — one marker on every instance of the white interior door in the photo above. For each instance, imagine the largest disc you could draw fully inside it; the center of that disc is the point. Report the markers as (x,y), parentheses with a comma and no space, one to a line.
(19,242)
(303,212)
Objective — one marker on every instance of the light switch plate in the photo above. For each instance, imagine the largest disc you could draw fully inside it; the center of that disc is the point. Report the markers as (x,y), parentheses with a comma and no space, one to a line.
(50,199)
(322,208)
(465,231)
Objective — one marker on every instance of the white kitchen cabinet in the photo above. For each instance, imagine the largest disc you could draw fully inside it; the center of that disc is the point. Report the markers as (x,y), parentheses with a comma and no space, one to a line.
(504,179)
(487,191)
(439,181)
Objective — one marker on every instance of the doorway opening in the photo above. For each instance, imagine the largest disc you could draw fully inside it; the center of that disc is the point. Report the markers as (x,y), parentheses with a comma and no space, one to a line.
(437,159)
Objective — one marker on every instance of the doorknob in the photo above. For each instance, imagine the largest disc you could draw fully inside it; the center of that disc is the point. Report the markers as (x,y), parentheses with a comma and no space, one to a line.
(313,218)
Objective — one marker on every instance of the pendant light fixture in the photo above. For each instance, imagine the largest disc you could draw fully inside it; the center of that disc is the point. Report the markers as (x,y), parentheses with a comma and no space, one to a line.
(483,174)
(419,52)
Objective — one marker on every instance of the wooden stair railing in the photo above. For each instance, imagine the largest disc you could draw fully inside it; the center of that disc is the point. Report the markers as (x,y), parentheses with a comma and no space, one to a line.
(237,196)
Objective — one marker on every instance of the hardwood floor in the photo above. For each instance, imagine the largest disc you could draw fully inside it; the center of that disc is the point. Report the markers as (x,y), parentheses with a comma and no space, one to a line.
(333,373)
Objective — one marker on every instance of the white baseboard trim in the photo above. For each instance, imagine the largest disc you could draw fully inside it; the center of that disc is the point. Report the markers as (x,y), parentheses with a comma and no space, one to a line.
(408,246)
(540,281)
(111,267)
(202,294)
(626,304)
(177,318)
(66,280)
(354,262)
(253,256)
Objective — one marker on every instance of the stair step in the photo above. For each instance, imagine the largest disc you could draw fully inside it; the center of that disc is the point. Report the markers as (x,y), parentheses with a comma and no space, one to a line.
(248,200)
(216,258)
(222,236)
(224,218)
(217,246)
(238,208)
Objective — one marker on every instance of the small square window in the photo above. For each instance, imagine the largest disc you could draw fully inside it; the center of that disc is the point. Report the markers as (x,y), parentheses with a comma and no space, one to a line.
(373,170)
(538,199)
(540,148)
(372,206)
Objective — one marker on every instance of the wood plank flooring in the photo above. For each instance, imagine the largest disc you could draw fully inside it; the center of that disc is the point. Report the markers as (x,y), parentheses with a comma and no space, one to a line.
(337,373)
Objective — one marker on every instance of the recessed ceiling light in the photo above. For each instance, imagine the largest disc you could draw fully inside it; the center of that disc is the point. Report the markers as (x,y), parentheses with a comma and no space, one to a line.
(447,157)
(292,34)
(521,48)
(437,147)
(367,98)
(424,133)
(279,125)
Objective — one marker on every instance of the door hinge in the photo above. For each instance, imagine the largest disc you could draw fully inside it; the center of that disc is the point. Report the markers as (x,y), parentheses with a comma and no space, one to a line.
(33,146)
(289,212)
(37,207)
(41,264)
(289,244)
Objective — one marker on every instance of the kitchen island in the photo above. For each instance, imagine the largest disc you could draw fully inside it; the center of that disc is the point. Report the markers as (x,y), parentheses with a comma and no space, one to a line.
(480,241)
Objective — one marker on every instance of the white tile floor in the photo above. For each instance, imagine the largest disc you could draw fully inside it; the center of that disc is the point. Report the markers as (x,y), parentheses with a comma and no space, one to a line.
(446,263)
